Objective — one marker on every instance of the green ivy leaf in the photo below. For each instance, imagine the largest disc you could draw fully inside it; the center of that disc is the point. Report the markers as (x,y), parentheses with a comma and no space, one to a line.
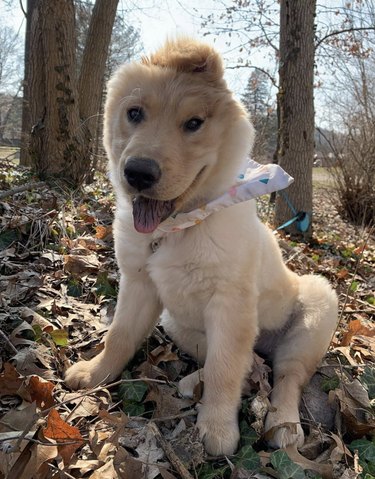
(366,449)
(286,467)
(74,288)
(132,391)
(368,381)
(247,458)
(248,435)
(103,286)
(132,408)
(7,237)
(207,471)
(330,384)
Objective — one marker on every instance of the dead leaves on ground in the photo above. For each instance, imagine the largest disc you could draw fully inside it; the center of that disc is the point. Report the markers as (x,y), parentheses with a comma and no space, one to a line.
(58,284)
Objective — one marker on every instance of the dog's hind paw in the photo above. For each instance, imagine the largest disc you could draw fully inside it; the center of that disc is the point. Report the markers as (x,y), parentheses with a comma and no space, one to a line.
(285,435)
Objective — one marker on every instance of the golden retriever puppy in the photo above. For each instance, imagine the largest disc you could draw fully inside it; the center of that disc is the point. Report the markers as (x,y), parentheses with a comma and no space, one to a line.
(176,139)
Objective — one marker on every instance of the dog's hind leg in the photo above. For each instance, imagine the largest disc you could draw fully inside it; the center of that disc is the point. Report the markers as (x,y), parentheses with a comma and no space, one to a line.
(297,356)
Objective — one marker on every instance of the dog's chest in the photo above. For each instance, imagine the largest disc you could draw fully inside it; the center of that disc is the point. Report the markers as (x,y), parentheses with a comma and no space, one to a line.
(185,278)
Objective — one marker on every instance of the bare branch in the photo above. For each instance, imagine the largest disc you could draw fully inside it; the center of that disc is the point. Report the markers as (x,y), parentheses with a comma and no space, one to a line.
(345,30)
(22,8)
(247,65)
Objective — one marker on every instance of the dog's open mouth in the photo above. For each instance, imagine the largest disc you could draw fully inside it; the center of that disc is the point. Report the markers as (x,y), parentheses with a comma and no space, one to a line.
(149,213)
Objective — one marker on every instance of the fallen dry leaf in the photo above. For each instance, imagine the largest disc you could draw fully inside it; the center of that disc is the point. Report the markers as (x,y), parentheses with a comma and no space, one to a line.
(163,354)
(28,361)
(80,264)
(106,471)
(126,466)
(84,465)
(16,420)
(33,464)
(14,337)
(325,470)
(259,375)
(40,391)
(356,328)
(10,380)
(365,345)
(86,406)
(61,432)
(166,402)
(355,408)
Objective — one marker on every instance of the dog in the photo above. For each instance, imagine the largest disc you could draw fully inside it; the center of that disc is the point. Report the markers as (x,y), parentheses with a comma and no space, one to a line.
(176,139)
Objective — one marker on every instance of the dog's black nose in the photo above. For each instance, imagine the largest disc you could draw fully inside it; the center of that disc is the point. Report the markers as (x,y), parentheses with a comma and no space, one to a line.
(142,173)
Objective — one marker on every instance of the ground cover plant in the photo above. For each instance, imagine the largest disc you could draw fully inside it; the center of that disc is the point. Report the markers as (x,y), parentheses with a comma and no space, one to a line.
(58,287)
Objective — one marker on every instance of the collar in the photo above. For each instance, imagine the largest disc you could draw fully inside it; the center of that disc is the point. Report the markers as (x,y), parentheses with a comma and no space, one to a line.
(257,180)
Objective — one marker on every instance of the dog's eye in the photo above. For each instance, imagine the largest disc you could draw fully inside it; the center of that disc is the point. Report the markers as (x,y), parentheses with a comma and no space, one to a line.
(135,115)
(193,124)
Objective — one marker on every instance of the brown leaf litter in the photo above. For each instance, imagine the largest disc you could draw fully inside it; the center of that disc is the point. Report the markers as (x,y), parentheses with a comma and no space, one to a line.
(58,283)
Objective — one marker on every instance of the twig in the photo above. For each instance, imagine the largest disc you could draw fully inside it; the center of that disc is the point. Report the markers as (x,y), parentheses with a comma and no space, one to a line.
(66,474)
(12,435)
(27,429)
(365,303)
(357,467)
(366,311)
(20,189)
(7,340)
(338,32)
(189,412)
(171,455)
(102,388)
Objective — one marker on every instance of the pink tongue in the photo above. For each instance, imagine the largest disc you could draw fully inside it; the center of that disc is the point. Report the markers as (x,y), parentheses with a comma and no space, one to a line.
(148,213)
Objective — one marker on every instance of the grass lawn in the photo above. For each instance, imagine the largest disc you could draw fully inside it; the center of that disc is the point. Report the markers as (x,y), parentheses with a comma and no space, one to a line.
(322,177)
(9,152)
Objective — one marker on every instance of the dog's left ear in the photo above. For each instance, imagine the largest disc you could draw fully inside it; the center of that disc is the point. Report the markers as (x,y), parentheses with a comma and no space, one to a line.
(189,56)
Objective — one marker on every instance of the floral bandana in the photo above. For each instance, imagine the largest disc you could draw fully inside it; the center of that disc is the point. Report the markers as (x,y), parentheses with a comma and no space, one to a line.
(258,180)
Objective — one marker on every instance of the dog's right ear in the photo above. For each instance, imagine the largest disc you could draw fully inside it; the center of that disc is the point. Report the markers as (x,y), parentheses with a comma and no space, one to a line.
(189,56)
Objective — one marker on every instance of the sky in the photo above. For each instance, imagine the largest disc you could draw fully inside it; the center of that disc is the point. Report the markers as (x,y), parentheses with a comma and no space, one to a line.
(157,19)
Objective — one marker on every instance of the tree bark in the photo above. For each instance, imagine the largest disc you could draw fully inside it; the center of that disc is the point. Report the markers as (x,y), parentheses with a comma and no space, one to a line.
(94,61)
(58,142)
(26,122)
(296,107)
(64,109)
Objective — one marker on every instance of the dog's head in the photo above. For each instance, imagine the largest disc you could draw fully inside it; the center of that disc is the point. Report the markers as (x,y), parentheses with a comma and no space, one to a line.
(174,134)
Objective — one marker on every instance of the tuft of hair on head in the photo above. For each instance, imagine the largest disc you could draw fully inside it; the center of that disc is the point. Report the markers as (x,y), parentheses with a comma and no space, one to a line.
(186,55)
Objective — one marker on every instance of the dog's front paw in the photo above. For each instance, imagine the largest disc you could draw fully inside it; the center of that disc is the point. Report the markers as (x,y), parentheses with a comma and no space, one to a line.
(280,433)
(87,374)
(219,434)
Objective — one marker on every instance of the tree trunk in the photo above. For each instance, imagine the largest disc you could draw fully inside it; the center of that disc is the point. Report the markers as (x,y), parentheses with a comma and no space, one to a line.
(26,122)
(93,64)
(296,107)
(64,109)
(58,143)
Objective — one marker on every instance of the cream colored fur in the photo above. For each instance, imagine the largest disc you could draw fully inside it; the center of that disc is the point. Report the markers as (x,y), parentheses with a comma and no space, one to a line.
(222,283)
